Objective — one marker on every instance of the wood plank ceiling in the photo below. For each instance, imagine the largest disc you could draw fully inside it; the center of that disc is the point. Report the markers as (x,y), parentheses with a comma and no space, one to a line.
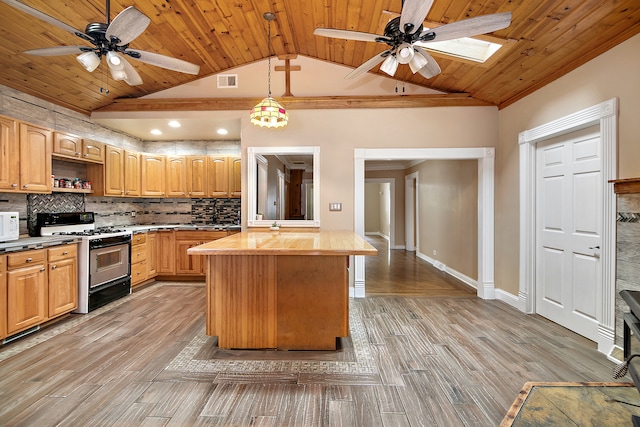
(548,38)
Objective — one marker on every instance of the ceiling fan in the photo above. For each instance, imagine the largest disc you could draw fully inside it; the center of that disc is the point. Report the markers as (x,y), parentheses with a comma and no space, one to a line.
(407,38)
(111,40)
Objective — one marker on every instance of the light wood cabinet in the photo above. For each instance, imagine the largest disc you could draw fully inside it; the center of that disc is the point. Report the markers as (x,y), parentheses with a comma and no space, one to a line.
(35,158)
(63,279)
(132,180)
(3,296)
(138,258)
(9,155)
(26,290)
(176,176)
(166,253)
(235,176)
(152,254)
(153,175)
(73,147)
(190,264)
(197,176)
(113,171)
(217,177)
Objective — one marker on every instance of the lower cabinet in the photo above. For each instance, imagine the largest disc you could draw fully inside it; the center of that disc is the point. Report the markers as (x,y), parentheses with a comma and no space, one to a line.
(3,296)
(166,253)
(193,264)
(27,291)
(37,286)
(63,279)
(152,255)
(138,258)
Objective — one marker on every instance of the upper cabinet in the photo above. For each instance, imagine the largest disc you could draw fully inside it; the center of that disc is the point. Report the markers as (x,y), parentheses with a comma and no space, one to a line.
(197,176)
(176,176)
(132,173)
(35,158)
(72,147)
(25,157)
(224,177)
(153,175)
(235,176)
(9,155)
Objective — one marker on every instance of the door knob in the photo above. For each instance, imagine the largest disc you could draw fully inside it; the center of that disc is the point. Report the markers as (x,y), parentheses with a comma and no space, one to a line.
(594,247)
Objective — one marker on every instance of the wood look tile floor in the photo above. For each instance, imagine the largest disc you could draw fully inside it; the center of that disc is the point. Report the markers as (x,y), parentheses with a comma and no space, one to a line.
(410,361)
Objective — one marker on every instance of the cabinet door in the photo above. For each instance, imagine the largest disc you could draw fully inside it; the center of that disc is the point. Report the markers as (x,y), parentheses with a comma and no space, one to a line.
(185,263)
(235,176)
(26,297)
(153,175)
(176,176)
(63,286)
(9,158)
(35,158)
(67,145)
(218,177)
(3,297)
(197,176)
(152,253)
(93,150)
(166,252)
(114,171)
(132,174)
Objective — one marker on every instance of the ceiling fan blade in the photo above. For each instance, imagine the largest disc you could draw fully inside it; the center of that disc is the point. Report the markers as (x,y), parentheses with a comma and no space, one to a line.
(46,18)
(368,65)
(133,78)
(470,27)
(432,68)
(58,50)
(347,35)
(414,12)
(164,61)
(127,25)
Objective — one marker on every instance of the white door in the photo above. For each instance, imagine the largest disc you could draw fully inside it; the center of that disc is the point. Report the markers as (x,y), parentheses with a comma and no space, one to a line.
(569,228)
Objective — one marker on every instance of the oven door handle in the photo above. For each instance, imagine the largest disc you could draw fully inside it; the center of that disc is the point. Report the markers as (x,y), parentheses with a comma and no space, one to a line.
(108,245)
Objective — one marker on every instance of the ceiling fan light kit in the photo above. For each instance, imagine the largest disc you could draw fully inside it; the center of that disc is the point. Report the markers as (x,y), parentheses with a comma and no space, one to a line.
(89,61)
(111,40)
(407,38)
(269,113)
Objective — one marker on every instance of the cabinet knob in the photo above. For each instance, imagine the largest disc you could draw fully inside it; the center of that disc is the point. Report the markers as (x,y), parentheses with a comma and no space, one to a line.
(65,253)
(25,186)
(86,155)
(42,269)
(14,185)
(53,267)
(77,154)
(29,259)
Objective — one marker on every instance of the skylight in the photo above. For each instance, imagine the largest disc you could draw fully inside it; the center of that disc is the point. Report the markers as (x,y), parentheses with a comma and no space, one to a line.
(466,48)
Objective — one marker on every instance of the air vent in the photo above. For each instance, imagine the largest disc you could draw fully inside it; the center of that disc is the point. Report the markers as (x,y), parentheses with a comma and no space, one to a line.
(227,81)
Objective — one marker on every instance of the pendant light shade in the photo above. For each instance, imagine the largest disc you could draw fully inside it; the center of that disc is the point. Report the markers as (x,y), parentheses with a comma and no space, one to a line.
(269,113)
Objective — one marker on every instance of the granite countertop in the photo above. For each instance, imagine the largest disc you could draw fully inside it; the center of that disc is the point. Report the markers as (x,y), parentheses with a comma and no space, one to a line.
(204,227)
(28,243)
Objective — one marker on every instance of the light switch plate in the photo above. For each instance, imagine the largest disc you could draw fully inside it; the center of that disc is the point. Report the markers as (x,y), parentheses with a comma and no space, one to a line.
(335,206)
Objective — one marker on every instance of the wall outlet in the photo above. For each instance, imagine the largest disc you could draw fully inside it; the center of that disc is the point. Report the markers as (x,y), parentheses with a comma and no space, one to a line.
(435,252)
(133,213)
(335,206)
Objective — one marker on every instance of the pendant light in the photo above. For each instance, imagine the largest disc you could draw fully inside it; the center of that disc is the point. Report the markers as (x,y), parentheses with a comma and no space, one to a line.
(268,112)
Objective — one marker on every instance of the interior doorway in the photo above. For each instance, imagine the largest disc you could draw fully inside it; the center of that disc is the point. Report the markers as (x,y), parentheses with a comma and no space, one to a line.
(485,158)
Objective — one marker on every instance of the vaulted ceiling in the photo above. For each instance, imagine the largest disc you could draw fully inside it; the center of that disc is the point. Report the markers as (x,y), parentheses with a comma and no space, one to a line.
(546,39)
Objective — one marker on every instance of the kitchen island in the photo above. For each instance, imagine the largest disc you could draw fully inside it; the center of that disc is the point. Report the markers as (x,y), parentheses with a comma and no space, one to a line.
(280,289)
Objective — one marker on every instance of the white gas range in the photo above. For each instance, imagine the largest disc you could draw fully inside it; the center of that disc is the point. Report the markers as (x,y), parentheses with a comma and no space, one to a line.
(104,257)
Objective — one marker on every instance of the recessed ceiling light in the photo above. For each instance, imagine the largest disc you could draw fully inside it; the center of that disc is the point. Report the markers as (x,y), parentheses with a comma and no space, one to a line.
(156,131)
(222,131)
(174,124)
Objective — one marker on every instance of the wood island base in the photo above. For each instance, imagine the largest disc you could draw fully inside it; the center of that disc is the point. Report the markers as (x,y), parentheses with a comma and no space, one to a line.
(288,302)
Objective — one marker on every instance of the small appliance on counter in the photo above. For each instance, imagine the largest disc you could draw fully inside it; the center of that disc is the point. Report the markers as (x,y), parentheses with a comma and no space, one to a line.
(9,226)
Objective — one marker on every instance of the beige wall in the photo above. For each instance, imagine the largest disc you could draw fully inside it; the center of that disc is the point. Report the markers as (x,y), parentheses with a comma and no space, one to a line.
(448,213)
(339,132)
(613,74)
(371,208)
(398,214)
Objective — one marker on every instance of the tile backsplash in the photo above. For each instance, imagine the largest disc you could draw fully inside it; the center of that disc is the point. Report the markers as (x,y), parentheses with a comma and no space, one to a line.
(121,211)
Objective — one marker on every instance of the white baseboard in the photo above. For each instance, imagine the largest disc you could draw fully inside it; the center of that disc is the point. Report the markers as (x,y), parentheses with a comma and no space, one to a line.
(510,299)
(441,266)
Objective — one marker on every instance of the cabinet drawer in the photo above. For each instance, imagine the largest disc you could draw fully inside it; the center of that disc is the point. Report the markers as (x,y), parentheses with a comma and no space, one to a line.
(21,259)
(138,272)
(62,252)
(138,253)
(3,263)
(138,239)
(202,235)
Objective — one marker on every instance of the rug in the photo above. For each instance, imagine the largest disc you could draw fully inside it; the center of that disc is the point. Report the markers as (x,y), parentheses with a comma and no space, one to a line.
(574,404)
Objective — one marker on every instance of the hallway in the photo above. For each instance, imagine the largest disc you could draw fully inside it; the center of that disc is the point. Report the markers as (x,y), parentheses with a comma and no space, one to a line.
(398,272)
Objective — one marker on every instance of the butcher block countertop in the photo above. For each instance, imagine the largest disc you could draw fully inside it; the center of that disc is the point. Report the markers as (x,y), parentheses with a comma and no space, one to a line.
(339,242)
